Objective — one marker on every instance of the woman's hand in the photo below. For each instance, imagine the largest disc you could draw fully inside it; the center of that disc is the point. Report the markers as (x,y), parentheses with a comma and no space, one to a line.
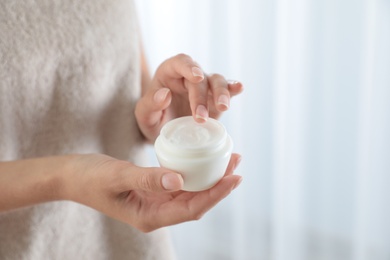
(146,198)
(181,88)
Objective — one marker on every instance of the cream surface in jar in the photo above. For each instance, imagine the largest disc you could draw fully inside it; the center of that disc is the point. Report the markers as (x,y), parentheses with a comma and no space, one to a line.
(199,152)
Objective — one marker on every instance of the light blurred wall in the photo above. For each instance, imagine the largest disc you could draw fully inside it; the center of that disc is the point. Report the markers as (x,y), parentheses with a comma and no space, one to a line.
(313,124)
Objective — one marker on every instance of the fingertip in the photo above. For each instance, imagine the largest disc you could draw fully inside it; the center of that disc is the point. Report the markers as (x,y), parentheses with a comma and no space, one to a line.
(238,182)
(235,87)
(233,82)
(237,163)
(235,160)
(197,73)
(172,181)
(201,114)
(223,102)
(225,186)
(232,181)
(161,95)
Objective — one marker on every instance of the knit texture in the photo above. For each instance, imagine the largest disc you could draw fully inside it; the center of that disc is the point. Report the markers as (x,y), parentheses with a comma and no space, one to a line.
(69,82)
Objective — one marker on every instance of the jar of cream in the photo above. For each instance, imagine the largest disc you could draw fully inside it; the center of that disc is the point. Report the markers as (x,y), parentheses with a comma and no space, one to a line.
(200,152)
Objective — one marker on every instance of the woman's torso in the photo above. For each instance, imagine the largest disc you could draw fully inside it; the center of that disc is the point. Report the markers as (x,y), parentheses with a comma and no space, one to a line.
(69,81)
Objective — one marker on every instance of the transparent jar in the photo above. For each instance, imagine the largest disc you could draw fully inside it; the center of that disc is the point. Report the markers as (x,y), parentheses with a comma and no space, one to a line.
(200,152)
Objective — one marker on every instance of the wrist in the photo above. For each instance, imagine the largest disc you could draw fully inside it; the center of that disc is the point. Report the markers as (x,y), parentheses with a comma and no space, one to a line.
(57,177)
(64,179)
(53,177)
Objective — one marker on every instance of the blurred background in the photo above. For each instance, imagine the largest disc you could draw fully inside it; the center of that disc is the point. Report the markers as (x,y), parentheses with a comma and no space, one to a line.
(313,124)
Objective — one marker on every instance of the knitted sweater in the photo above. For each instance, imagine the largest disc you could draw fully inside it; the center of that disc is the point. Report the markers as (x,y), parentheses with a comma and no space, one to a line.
(69,82)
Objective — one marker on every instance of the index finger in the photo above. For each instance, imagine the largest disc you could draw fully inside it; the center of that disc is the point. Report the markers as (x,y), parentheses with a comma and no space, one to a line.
(194,81)
(180,66)
(198,98)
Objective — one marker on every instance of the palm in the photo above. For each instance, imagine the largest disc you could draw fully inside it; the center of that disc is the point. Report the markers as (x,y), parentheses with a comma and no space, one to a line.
(152,203)
(158,209)
(163,207)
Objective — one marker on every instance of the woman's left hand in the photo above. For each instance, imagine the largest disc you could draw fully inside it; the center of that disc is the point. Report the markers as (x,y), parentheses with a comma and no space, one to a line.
(181,88)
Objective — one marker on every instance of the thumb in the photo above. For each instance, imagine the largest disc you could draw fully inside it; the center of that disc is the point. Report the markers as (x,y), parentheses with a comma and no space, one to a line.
(153,179)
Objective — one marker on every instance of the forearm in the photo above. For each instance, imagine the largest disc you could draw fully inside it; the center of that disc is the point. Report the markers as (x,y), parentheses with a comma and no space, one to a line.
(32,181)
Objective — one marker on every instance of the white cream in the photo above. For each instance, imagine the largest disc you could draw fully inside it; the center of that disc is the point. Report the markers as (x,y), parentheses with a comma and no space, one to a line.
(189,135)
(200,152)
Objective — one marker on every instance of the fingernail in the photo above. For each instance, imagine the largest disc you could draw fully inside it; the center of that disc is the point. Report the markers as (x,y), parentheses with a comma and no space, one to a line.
(237,163)
(161,95)
(171,181)
(232,82)
(238,183)
(224,101)
(197,72)
(202,113)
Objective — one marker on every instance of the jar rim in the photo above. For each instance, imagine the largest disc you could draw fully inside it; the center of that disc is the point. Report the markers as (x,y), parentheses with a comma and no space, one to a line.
(212,131)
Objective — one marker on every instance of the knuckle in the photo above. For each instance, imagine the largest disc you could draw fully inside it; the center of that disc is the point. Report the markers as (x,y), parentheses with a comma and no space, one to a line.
(183,56)
(145,181)
(202,100)
(148,182)
(215,76)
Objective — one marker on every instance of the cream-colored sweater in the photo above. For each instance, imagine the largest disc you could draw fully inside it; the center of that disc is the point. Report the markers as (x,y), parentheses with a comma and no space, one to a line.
(69,81)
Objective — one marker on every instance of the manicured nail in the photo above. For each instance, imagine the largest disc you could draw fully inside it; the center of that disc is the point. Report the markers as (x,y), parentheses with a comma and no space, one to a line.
(171,181)
(202,113)
(232,82)
(197,72)
(237,163)
(224,101)
(238,183)
(161,95)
